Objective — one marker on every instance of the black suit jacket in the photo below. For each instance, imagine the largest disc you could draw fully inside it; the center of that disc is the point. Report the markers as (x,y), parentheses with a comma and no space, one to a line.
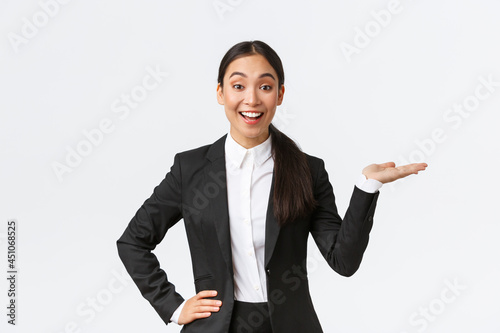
(195,190)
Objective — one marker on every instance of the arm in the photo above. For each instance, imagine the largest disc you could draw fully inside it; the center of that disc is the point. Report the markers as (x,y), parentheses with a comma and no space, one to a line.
(147,229)
(342,242)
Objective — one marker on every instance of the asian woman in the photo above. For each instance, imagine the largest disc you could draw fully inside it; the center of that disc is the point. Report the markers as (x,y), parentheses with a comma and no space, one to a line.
(249,202)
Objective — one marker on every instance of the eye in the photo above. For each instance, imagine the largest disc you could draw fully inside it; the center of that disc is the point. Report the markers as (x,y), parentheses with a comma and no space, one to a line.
(237,86)
(266,87)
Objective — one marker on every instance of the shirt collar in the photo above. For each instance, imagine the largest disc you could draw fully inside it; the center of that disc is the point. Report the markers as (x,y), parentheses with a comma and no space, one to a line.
(237,153)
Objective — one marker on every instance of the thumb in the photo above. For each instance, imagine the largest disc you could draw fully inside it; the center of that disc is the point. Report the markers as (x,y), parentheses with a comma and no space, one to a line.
(388,165)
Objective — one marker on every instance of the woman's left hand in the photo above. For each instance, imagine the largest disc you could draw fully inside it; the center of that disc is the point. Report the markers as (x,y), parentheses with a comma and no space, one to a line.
(388,172)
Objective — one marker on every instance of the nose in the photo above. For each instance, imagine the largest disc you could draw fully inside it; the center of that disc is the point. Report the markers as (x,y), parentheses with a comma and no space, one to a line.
(252,97)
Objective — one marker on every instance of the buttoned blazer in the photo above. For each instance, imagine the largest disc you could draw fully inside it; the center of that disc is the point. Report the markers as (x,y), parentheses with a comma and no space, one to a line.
(195,190)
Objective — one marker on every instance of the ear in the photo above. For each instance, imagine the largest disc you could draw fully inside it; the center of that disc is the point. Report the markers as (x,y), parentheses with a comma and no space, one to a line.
(280,95)
(220,98)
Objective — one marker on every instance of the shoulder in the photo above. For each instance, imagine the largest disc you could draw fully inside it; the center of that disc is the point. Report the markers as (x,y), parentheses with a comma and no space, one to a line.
(316,167)
(314,162)
(195,152)
(203,154)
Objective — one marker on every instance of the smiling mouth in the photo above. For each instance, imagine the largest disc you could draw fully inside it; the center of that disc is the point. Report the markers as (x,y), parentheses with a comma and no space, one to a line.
(251,115)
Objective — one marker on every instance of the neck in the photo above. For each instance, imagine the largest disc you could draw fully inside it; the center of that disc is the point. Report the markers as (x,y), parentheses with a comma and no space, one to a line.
(248,143)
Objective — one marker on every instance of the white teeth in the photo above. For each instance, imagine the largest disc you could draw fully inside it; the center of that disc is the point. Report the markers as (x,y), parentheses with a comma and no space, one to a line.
(251,114)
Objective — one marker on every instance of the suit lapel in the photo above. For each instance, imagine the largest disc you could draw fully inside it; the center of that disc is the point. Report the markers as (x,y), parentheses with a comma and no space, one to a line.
(216,154)
(272,227)
(220,213)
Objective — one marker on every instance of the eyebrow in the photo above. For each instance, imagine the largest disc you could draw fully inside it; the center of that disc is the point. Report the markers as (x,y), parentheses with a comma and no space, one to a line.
(261,75)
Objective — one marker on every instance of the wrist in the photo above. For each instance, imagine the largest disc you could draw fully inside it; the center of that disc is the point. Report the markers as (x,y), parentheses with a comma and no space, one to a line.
(367,184)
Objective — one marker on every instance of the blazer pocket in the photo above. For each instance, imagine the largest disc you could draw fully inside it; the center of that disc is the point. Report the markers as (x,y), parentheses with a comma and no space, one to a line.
(204,282)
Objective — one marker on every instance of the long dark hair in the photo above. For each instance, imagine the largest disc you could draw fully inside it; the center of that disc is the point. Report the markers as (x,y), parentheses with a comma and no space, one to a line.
(293,195)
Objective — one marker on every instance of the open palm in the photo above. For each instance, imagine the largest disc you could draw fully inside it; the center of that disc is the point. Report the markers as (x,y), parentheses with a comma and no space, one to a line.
(388,172)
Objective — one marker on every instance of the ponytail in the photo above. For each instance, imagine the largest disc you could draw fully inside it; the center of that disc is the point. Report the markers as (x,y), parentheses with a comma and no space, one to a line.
(293,195)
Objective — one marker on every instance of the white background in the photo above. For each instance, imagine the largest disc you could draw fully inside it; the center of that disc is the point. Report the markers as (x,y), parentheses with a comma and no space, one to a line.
(380,104)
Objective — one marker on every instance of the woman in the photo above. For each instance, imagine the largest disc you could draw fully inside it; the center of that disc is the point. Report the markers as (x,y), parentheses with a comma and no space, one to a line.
(249,202)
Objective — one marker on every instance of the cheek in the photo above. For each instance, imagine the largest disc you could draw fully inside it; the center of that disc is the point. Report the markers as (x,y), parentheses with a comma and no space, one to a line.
(271,101)
(231,101)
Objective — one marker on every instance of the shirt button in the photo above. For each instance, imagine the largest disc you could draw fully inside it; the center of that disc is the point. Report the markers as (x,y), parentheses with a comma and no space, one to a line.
(247,221)
(250,253)
(256,287)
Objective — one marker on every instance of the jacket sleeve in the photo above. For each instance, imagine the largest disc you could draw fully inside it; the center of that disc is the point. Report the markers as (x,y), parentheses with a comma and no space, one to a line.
(146,229)
(341,242)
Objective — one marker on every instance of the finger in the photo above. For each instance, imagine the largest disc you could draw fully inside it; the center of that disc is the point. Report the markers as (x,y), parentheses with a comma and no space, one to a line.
(206,293)
(406,170)
(387,165)
(187,317)
(205,308)
(416,167)
(198,315)
(209,302)
(422,166)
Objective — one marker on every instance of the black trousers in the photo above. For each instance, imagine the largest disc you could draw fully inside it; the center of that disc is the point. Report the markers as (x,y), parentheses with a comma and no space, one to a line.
(250,318)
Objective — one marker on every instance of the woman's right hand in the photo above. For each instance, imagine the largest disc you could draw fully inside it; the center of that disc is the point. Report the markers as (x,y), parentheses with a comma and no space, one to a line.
(198,307)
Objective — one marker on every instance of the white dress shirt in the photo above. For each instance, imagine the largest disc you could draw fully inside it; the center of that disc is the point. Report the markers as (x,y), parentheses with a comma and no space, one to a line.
(249,174)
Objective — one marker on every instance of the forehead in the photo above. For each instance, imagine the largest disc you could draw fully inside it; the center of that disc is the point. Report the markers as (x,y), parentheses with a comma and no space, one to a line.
(251,65)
